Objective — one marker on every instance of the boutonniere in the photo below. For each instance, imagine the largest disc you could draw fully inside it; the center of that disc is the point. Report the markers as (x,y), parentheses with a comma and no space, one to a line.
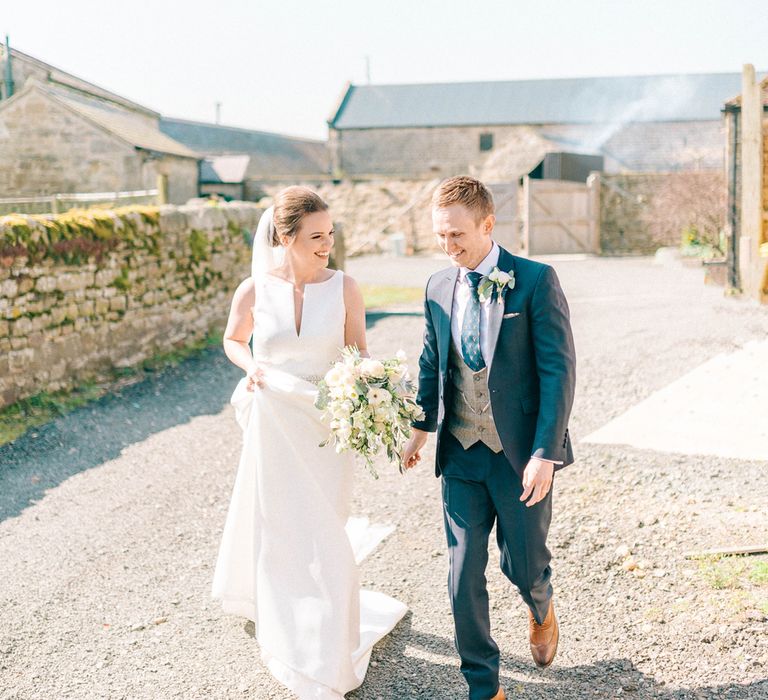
(495,282)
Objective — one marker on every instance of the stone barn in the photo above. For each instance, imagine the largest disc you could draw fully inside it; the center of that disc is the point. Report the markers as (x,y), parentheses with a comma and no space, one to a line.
(501,131)
(61,134)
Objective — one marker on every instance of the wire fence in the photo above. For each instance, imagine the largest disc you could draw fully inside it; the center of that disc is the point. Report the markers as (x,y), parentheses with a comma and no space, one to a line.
(58,203)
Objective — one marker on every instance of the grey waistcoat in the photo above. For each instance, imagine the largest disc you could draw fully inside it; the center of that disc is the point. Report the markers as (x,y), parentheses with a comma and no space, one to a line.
(469,416)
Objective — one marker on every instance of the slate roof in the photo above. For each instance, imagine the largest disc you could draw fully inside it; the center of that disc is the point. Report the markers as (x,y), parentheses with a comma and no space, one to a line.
(688,97)
(136,129)
(271,155)
(61,77)
(130,127)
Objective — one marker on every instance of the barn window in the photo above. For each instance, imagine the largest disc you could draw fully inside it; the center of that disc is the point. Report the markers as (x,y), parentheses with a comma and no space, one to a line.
(486,142)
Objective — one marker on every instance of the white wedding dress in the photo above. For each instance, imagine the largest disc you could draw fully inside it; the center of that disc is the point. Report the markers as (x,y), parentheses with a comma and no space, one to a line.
(289,551)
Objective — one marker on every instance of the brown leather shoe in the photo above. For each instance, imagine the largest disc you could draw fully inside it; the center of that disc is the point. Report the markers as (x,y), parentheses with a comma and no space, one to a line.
(500,695)
(544,637)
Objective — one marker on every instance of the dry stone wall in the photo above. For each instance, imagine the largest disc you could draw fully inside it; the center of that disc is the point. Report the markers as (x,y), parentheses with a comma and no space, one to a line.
(61,324)
(640,212)
(371,213)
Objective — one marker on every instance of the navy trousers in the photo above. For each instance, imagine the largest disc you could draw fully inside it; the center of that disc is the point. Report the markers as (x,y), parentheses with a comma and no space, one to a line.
(480,489)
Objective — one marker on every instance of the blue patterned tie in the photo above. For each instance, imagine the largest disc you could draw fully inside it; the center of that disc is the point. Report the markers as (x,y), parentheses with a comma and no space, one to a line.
(470,326)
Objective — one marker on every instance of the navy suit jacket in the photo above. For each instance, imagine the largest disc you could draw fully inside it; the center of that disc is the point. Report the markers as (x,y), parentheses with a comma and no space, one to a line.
(531,375)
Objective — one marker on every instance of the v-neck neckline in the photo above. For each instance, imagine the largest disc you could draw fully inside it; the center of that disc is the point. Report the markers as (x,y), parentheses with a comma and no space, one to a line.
(297,330)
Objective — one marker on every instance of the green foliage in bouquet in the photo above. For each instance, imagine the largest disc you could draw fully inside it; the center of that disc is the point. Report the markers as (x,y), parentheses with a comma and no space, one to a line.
(371,405)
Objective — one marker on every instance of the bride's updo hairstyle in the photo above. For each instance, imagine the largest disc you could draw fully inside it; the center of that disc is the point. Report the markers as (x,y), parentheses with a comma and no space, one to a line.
(291,205)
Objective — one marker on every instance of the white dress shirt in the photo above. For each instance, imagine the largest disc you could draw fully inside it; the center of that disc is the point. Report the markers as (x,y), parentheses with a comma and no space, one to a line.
(461,295)
(460,300)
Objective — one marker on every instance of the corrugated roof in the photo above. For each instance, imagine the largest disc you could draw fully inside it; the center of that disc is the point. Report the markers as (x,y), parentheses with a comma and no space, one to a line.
(270,154)
(689,97)
(132,128)
(224,169)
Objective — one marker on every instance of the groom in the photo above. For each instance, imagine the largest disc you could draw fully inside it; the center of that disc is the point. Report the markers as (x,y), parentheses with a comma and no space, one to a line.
(496,382)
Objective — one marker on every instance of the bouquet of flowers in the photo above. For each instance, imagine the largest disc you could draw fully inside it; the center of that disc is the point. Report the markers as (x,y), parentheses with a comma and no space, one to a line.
(371,404)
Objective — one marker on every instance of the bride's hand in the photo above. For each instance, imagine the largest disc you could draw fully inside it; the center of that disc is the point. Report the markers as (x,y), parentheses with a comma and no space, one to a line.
(412,451)
(255,378)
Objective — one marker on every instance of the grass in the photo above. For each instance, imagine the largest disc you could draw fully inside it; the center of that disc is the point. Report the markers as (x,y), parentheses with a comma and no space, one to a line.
(379,296)
(741,584)
(28,413)
(733,572)
(759,573)
(42,408)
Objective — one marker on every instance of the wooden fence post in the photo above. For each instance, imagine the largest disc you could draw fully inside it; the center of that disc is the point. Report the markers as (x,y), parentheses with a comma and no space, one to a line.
(594,183)
(751,219)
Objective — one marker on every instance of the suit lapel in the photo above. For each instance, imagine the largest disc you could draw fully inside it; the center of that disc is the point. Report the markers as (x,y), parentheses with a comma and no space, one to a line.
(443,295)
(506,263)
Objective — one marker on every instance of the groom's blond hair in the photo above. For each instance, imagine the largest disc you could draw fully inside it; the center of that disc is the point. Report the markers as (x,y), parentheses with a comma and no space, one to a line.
(465,190)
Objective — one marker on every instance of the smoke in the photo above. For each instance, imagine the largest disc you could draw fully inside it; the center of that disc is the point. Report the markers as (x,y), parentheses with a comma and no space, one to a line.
(659,99)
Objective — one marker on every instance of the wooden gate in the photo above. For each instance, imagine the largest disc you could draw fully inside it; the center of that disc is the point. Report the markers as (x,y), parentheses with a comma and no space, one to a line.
(506,232)
(557,217)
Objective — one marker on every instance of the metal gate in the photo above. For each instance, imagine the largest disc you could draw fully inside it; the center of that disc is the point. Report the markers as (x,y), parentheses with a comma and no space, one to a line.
(557,217)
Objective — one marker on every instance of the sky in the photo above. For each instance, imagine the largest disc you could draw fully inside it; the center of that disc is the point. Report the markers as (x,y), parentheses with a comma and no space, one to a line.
(283,65)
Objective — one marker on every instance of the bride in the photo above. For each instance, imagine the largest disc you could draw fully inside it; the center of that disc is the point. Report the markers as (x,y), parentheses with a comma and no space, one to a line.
(289,551)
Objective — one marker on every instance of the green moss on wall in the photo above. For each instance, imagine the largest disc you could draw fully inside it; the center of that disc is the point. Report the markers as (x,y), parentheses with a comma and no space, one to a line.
(79,234)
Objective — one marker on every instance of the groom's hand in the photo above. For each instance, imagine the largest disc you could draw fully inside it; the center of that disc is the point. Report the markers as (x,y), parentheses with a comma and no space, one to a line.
(411,454)
(537,480)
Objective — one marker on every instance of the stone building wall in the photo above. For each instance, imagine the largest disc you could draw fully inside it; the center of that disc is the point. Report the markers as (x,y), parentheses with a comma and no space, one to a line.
(413,153)
(45,148)
(426,153)
(61,324)
(182,173)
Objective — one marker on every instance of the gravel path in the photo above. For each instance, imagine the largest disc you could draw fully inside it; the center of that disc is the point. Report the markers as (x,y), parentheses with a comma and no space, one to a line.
(110,520)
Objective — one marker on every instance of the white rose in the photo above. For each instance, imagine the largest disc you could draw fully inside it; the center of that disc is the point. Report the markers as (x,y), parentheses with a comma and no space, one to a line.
(378,396)
(495,274)
(333,377)
(372,368)
(504,277)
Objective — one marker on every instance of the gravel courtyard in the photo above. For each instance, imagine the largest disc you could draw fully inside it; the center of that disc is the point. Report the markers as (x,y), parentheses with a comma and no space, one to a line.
(110,521)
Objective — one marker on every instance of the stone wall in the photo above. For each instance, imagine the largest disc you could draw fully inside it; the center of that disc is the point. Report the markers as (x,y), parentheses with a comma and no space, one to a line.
(369,213)
(641,212)
(61,324)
